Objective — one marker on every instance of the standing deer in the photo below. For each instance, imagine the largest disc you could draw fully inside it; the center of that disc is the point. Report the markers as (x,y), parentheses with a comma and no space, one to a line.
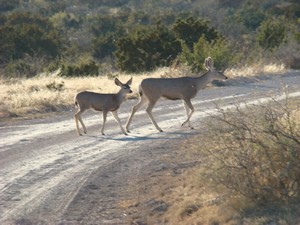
(101,102)
(185,88)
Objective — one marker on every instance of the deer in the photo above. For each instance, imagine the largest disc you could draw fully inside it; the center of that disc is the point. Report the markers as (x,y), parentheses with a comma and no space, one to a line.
(184,88)
(101,102)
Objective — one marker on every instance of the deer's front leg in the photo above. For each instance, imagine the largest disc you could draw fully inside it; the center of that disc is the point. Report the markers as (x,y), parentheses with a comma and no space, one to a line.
(135,108)
(149,112)
(188,106)
(115,114)
(104,120)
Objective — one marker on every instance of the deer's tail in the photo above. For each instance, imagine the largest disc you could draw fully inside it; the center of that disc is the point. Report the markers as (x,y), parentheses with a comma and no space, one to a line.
(140,91)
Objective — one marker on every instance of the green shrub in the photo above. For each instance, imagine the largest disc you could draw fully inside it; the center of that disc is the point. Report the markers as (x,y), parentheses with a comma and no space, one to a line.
(104,46)
(28,66)
(189,31)
(219,50)
(271,33)
(251,16)
(84,68)
(24,33)
(146,48)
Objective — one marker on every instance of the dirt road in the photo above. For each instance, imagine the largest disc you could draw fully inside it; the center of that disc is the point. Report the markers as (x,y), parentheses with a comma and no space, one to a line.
(49,175)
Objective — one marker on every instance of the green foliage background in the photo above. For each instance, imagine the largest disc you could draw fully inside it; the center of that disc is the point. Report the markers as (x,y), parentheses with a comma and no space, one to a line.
(128,35)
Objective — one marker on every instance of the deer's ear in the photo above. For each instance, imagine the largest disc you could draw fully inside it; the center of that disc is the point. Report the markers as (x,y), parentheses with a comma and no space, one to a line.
(210,62)
(117,82)
(206,64)
(129,82)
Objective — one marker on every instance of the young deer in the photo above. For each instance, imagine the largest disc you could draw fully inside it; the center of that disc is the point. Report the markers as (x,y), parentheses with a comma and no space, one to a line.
(185,88)
(101,102)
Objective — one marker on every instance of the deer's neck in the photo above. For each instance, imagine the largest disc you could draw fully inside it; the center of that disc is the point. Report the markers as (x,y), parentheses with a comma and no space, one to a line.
(203,80)
(120,96)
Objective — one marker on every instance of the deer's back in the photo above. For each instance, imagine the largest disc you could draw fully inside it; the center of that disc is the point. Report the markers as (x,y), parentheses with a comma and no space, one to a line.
(170,88)
(97,101)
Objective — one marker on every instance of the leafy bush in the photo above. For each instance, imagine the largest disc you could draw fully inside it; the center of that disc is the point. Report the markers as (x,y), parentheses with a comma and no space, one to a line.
(28,66)
(8,5)
(219,50)
(146,48)
(84,68)
(24,34)
(189,31)
(254,152)
(251,16)
(104,46)
(271,33)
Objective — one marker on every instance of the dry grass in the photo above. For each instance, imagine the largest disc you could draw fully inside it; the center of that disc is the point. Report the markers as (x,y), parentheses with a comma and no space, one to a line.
(51,93)
(192,199)
(48,93)
(256,70)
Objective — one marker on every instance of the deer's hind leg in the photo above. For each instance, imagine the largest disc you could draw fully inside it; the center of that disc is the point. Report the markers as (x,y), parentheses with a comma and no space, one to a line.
(149,112)
(143,100)
(104,121)
(77,117)
(189,112)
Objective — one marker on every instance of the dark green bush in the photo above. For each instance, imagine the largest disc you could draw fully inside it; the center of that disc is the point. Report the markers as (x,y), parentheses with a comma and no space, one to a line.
(271,33)
(219,50)
(146,48)
(190,29)
(104,46)
(251,17)
(83,69)
(25,34)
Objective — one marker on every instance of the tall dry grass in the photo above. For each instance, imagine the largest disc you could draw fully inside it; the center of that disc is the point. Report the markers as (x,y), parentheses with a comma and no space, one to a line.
(51,92)
(258,69)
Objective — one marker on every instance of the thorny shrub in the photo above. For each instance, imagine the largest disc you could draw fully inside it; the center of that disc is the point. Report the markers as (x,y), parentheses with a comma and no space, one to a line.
(254,152)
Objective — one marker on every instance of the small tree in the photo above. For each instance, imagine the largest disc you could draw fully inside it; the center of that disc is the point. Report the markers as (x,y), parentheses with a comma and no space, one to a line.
(29,34)
(219,50)
(189,31)
(146,48)
(104,46)
(271,33)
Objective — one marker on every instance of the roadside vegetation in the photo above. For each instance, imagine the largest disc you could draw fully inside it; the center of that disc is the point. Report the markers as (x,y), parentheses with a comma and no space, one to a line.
(243,168)
(252,161)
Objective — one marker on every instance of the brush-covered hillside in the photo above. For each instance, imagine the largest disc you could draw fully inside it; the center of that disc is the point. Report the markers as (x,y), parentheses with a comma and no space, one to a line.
(96,37)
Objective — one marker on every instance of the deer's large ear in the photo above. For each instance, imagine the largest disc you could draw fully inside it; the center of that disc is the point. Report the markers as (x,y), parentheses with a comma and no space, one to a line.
(129,82)
(210,62)
(206,64)
(117,82)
